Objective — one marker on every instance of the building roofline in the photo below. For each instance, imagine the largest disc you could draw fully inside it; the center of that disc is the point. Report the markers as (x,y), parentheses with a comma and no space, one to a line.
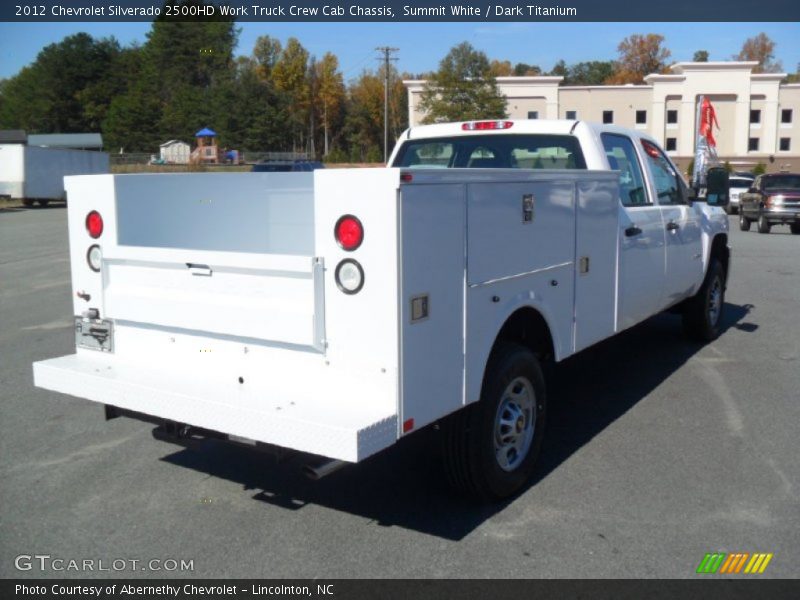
(730,65)
(526,79)
(627,86)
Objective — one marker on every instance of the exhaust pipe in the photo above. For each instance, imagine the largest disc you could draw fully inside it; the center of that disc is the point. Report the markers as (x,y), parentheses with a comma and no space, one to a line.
(322,469)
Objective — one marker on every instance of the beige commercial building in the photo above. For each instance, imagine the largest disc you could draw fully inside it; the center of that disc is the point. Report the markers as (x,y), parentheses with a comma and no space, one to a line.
(758,116)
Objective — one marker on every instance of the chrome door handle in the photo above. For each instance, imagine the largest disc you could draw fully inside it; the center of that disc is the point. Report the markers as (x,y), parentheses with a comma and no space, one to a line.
(672,226)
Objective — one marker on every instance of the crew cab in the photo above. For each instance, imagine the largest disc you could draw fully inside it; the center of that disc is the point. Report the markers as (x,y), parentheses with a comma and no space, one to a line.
(774,199)
(335,312)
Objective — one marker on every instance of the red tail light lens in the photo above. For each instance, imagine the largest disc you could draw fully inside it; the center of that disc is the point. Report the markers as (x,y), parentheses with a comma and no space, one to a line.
(349,232)
(94,224)
(484,125)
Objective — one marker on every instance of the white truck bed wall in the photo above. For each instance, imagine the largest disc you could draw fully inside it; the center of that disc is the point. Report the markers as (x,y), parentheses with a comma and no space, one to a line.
(38,172)
(468,251)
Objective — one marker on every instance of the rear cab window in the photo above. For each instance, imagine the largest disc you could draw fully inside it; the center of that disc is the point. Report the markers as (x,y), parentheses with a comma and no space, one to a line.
(533,151)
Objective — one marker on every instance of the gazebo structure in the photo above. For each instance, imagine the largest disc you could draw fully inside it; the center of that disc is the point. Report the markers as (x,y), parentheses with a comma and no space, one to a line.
(207,151)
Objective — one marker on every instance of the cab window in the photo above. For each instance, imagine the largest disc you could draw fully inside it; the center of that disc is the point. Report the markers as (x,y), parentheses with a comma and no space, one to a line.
(665,179)
(621,156)
(516,151)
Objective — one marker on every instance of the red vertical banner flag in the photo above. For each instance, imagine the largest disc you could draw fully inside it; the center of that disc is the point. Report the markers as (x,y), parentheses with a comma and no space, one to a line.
(708,118)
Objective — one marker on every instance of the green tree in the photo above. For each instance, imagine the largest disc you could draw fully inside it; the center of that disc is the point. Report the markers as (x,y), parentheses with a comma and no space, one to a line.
(462,89)
(760,49)
(330,95)
(290,76)
(594,72)
(50,94)
(521,69)
(700,56)
(560,69)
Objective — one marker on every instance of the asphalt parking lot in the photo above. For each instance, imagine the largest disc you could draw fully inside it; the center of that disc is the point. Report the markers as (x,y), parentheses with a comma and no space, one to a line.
(658,451)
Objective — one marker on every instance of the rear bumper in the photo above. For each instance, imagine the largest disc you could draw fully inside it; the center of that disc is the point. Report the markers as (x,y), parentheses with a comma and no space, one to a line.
(343,426)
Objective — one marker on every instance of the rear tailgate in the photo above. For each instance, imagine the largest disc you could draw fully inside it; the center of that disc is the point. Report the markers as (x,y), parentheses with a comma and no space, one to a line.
(214,287)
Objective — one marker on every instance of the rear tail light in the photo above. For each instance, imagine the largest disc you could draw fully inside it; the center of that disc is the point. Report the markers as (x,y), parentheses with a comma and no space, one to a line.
(94,224)
(349,232)
(484,125)
(349,276)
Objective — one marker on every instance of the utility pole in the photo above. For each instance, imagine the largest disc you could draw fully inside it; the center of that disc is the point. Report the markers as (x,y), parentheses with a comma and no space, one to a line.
(387,52)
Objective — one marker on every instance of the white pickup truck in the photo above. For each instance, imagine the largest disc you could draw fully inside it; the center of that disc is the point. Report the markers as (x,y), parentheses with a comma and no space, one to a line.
(337,311)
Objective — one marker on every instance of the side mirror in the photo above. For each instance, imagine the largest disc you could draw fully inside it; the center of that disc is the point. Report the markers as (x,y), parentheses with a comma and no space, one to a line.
(717,187)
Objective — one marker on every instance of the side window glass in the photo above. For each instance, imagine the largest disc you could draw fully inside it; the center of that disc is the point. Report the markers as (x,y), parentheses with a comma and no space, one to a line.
(621,157)
(665,179)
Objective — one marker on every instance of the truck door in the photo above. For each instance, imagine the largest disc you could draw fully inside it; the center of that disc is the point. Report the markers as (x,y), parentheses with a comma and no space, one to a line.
(684,266)
(641,236)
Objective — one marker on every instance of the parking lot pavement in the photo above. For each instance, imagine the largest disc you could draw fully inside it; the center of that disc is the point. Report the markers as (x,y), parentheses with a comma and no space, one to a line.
(658,451)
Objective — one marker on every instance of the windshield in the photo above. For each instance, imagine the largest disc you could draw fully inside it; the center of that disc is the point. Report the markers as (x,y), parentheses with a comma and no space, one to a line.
(740,182)
(492,152)
(782,182)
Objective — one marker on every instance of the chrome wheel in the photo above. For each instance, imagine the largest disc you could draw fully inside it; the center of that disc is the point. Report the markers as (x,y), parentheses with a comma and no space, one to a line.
(714,302)
(514,424)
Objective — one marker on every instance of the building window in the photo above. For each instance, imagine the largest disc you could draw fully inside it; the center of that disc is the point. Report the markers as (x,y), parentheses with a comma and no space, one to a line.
(573,115)
(755,116)
(785,145)
(641,117)
(533,114)
(672,144)
(786,115)
(608,116)
(752,145)
(672,117)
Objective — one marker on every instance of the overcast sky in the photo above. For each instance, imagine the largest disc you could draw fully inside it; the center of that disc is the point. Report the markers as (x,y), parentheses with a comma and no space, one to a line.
(422,45)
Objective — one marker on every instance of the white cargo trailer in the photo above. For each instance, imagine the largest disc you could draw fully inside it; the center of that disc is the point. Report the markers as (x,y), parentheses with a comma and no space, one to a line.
(34,173)
(337,311)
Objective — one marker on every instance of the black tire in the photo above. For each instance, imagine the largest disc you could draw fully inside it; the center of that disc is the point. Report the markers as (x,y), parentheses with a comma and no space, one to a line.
(763,225)
(744,222)
(702,314)
(795,227)
(27,202)
(43,203)
(469,437)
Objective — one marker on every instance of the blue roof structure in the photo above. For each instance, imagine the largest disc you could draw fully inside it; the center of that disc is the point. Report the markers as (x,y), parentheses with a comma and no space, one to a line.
(205,132)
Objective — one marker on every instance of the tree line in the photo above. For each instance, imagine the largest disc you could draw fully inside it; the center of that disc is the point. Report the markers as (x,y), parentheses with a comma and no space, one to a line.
(185,77)
(279,97)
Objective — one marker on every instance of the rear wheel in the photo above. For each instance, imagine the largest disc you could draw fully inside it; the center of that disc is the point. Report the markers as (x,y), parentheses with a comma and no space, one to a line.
(744,222)
(491,447)
(702,314)
(795,227)
(43,203)
(27,202)
(763,225)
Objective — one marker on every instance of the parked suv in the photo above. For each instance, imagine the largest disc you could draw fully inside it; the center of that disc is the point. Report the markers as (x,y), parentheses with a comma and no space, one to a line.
(740,183)
(773,200)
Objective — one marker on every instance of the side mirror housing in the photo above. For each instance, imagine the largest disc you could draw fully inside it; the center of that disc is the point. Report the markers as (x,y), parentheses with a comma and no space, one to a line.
(717,187)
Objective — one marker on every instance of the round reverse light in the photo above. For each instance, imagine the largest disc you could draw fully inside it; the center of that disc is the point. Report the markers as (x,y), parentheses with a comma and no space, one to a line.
(94,224)
(349,276)
(349,232)
(94,256)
